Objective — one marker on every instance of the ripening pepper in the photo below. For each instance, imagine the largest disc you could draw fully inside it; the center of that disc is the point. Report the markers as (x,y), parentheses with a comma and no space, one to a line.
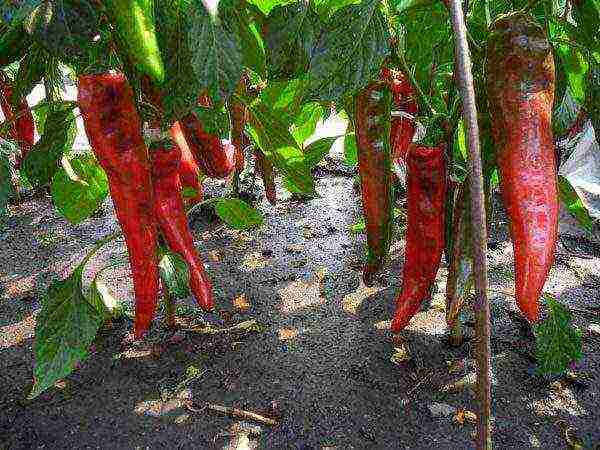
(135,24)
(23,129)
(426,199)
(170,213)
(372,125)
(520,88)
(189,172)
(113,127)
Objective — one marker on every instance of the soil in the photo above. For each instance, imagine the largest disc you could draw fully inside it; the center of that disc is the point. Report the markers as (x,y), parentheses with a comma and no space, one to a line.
(321,361)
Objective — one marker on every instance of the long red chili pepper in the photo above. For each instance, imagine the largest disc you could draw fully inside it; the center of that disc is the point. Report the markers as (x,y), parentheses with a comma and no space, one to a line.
(405,106)
(170,213)
(189,172)
(426,194)
(521,78)
(106,102)
(372,124)
(23,129)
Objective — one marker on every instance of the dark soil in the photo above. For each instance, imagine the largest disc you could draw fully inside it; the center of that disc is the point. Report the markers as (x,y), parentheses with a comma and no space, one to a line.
(322,362)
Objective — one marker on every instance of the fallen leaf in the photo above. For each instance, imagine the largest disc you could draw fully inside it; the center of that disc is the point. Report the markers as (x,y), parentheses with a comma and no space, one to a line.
(253,261)
(214,256)
(287,333)
(464,416)
(241,303)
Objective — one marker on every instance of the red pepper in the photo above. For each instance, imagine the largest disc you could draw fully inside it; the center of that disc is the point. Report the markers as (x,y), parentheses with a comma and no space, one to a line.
(265,168)
(405,103)
(521,78)
(372,124)
(170,213)
(215,157)
(23,129)
(189,172)
(113,127)
(426,195)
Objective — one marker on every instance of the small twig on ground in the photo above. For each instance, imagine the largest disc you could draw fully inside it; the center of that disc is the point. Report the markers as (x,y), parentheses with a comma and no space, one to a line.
(424,379)
(233,412)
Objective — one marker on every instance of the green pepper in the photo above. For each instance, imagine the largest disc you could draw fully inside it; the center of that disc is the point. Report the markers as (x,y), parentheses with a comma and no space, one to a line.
(135,24)
(14,42)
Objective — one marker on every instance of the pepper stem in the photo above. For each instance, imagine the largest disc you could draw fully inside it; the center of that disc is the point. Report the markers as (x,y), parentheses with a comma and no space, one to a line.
(169,309)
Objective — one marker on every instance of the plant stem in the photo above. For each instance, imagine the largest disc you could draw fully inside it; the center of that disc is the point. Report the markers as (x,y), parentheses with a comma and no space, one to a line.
(169,309)
(101,243)
(479,236)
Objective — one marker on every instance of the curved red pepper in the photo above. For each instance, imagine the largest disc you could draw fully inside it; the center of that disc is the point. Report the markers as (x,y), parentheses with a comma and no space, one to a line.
(402,128)
(521,78)
(426,195)
(170,213)
(215,157)
(113,127)
(189,172)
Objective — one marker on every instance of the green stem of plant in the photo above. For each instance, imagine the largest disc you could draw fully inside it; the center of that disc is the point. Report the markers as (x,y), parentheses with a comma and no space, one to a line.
(414,82)
(101,243)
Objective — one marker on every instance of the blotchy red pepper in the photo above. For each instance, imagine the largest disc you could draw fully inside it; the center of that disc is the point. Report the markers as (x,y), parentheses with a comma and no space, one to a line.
(520,86)
(265,168)
(170,213)
(215,157)
(405,102)
(426,195)
(372,124)
(113,127)
(23,129)
(189,172)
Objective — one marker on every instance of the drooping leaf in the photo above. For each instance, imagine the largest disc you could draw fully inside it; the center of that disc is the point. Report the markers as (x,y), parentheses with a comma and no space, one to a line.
(274,139)
(305,123)
(291,32)
(317,150)
(60,129)
(65,328)
(572,201)
(79,198)
(216,53)
(558,343)
(350,53)
(103,300)
(286,97)
(181,85)
(571,60)
(174,273)
(237,214)
(66,28)
(237,20)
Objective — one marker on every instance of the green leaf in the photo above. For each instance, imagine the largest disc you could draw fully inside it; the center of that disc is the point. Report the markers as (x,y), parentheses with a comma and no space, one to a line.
(558,343)
(174,273)
(181,85)
(237,214)
(267,5)
(65,328)
(327,8)
(359,227)
(274,139)
(216,54)
(587,15)
(78,197)
(317,150)
(350,53)
(238,21)
(571,60)
(305,123)
(570,198)
(103,300)
(291,32)
(286,97)
(65,27)
(592,100)
(6,186)
(60,129)
(214,120)
(350,150)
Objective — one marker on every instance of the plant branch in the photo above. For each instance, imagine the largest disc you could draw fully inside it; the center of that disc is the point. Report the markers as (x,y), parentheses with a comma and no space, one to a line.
(479,236)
